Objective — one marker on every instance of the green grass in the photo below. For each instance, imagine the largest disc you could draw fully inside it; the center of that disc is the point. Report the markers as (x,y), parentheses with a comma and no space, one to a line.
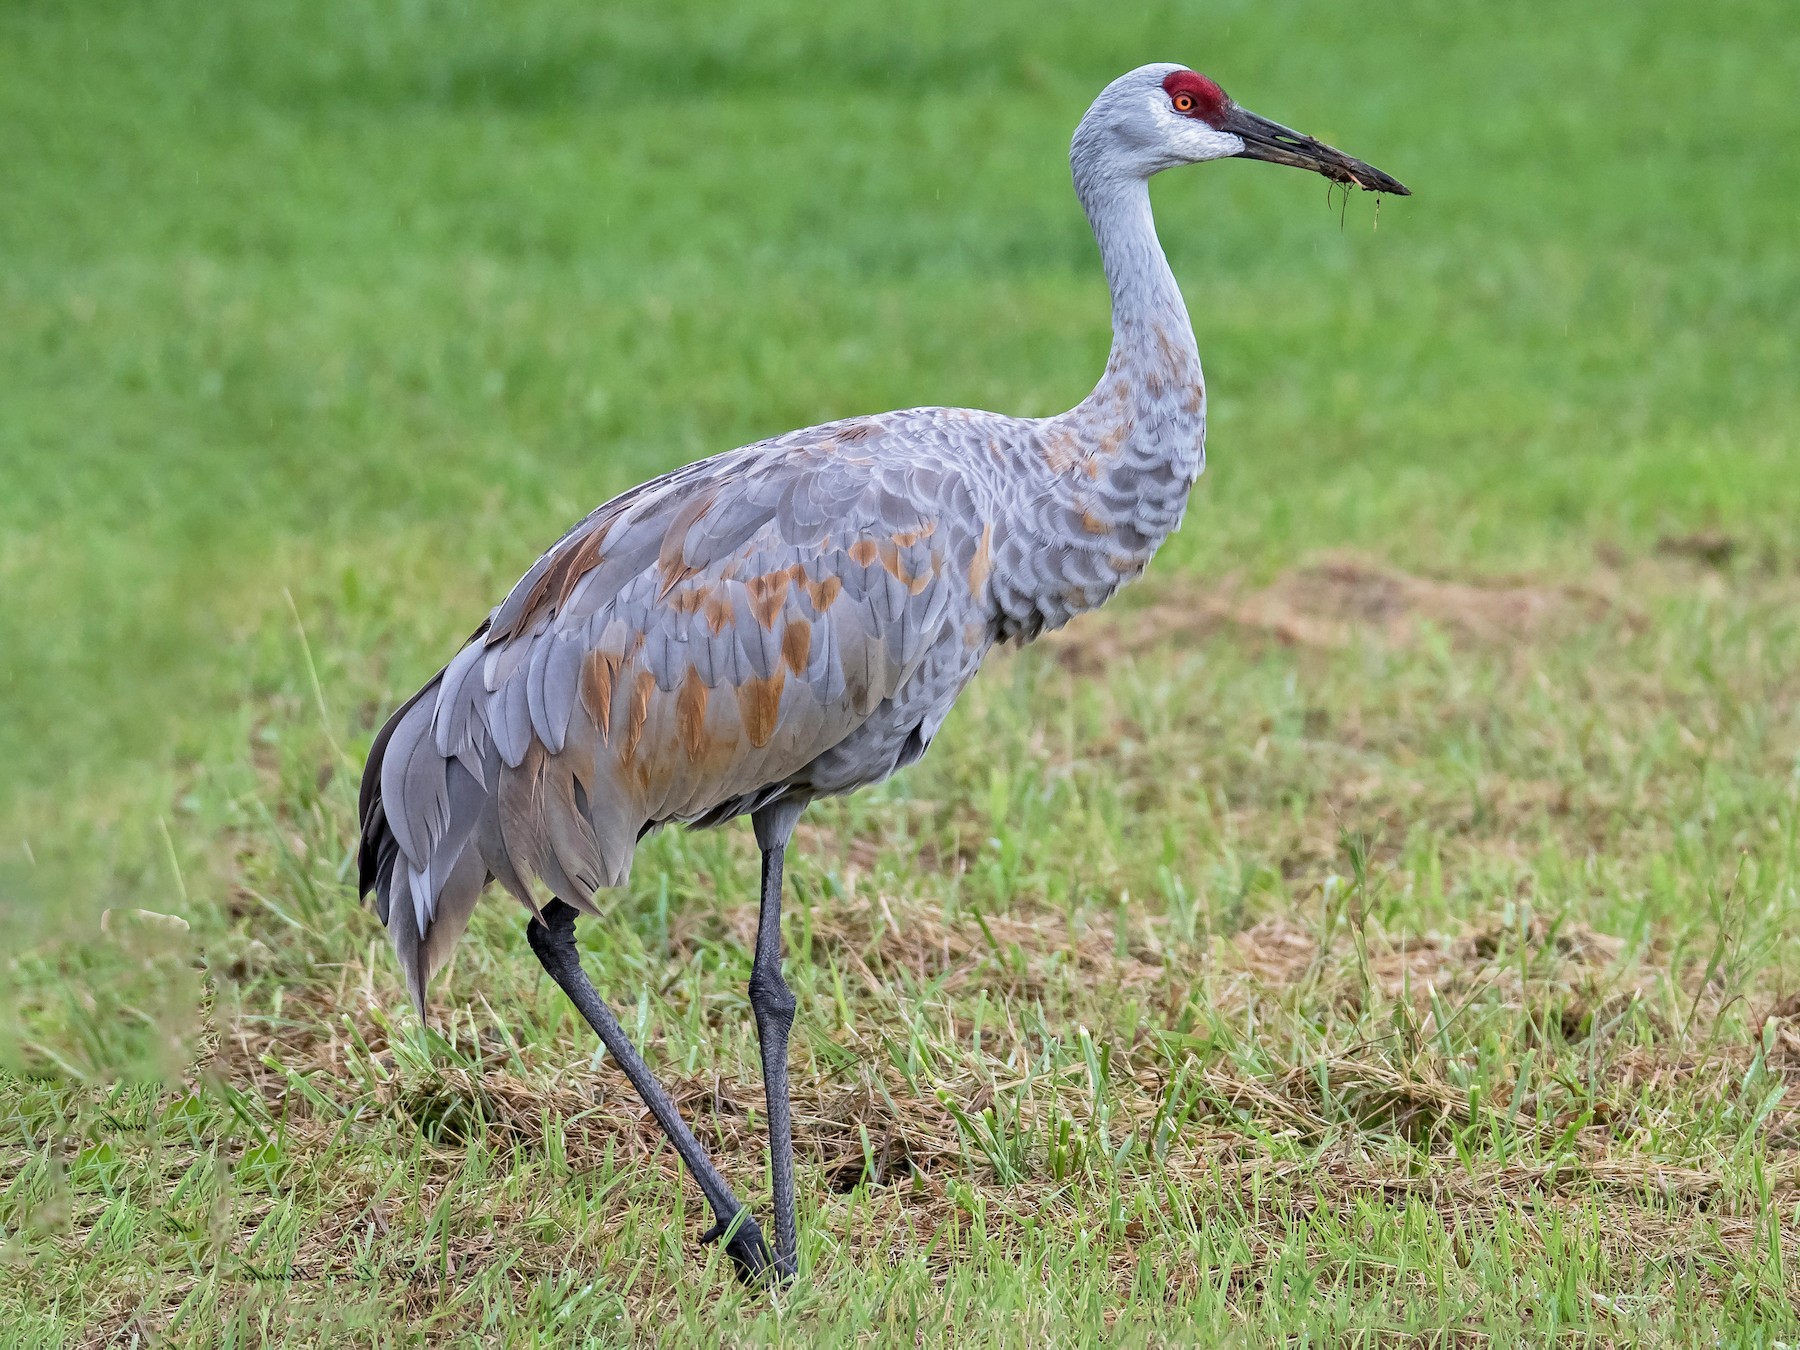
(1366,958)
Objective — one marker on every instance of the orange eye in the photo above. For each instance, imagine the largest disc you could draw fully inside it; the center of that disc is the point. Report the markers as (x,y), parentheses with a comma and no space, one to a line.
(1184,103)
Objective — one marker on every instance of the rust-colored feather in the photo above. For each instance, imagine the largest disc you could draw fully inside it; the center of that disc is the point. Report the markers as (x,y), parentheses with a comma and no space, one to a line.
(759,701)
(796,645)
(690,714)
(823,593)
(572,564)
(768,593)
(669,562)
(889,554)
(599,674)
(718,611)
(689,599)
(635,716)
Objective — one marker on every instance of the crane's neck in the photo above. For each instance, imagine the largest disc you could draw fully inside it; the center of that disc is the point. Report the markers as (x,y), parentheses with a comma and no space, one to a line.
(1154,358)
(1111,479)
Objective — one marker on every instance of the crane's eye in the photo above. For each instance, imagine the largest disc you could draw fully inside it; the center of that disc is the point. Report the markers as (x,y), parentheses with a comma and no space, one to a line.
(1184,102)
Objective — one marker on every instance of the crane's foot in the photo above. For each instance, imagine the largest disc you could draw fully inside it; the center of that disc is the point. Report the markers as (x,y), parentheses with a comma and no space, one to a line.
(750,1255)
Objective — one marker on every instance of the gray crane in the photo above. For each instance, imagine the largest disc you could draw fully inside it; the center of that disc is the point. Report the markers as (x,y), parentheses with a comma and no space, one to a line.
(793,620)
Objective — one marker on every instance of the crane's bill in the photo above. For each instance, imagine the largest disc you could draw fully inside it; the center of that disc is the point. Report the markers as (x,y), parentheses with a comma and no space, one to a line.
(1270,141)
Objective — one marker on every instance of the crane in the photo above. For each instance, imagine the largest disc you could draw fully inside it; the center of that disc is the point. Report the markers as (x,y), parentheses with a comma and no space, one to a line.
(793,620)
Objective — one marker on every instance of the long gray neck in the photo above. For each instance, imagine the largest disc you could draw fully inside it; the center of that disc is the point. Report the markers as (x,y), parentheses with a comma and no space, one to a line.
(1153,349)
(1109,479)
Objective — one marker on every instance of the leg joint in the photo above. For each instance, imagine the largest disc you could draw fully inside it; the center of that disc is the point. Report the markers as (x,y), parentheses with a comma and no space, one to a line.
(552,935)
(770,995)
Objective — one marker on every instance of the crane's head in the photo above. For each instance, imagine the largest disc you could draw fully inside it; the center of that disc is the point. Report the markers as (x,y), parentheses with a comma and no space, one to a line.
(1158,117)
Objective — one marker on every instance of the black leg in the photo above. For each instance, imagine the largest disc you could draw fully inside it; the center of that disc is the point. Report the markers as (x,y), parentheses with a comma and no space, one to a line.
(554,942)
(773,1003)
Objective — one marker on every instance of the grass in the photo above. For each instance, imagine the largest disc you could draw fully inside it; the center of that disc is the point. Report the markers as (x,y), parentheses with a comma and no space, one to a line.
(1394,945)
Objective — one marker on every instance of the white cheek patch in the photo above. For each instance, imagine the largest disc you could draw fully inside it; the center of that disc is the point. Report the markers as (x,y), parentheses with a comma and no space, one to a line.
(1203,143)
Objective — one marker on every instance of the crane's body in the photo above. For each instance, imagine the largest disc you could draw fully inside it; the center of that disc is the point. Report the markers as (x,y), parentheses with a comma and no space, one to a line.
(788,620)
(791,620)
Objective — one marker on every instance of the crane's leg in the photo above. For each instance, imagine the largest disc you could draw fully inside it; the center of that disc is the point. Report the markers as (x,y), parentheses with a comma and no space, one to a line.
(553,941)
(773,1003)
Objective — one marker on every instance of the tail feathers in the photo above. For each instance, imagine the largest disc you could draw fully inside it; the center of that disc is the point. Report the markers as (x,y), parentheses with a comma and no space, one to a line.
(423,954)
(443,813)
(375,857)
(420,855)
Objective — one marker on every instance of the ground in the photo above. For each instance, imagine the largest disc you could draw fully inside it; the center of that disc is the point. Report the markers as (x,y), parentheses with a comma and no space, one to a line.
(1374,928)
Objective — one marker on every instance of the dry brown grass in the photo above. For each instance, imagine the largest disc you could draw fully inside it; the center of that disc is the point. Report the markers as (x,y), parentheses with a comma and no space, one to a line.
(877,1129)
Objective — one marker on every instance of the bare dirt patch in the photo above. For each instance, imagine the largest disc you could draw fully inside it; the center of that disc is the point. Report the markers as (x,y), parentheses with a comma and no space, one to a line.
(1331,602)
(1711,547)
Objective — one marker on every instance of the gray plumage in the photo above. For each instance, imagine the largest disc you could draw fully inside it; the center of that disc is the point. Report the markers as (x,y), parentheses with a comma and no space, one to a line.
(794,619)
(788,620)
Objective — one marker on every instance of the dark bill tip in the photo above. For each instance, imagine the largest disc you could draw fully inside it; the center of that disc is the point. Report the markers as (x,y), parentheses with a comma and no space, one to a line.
(1276,144)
